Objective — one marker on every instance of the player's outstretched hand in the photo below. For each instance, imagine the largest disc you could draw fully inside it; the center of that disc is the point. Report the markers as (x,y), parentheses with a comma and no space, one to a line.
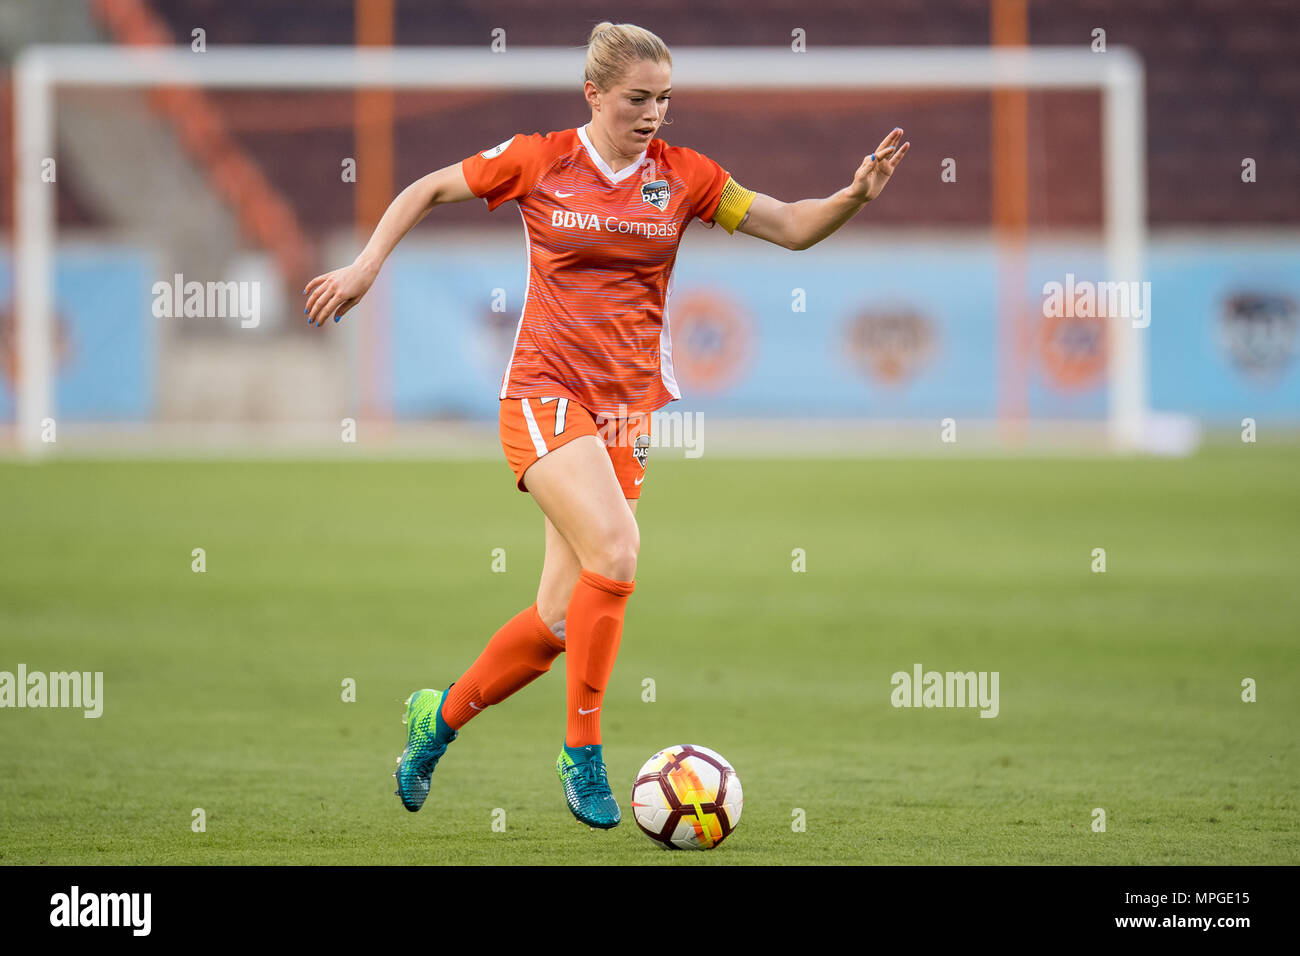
(334,293)
(876,169)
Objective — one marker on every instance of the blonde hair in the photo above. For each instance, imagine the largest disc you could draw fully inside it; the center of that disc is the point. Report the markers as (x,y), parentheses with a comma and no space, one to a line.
(613,48)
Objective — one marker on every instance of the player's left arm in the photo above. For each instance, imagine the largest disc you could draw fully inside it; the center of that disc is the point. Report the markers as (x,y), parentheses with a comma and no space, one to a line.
(799,225)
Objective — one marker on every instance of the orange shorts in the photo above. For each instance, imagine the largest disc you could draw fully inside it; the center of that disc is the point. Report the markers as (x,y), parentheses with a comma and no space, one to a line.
(532,427)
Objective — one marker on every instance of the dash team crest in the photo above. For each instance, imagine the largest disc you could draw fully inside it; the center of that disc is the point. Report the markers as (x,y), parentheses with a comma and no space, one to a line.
(656,193)
(641,449)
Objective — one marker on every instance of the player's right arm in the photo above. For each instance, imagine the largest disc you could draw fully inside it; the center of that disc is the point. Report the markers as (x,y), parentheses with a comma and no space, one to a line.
(334,293)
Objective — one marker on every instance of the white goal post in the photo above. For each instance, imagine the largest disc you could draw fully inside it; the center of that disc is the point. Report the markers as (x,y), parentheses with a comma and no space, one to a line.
(1117,74)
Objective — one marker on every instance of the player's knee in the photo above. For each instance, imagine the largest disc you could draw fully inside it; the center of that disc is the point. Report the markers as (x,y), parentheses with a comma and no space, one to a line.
(621,567)
(616,555)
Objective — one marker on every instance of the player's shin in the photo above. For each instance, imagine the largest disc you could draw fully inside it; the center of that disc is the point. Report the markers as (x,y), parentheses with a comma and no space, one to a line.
(519,653)
(594,622)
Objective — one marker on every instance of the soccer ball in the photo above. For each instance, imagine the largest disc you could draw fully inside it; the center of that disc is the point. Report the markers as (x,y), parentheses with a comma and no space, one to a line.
(687,798)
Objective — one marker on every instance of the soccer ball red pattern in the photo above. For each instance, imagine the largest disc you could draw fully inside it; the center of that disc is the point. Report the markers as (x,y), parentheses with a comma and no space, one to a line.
(687,798)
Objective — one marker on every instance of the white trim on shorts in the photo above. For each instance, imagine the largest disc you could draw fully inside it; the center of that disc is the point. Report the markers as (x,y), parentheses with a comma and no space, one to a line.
(539,443)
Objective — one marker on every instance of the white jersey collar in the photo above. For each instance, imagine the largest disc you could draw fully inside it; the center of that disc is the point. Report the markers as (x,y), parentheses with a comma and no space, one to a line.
(613,177)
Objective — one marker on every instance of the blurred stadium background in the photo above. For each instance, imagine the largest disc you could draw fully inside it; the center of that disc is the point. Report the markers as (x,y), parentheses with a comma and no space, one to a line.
(912,314)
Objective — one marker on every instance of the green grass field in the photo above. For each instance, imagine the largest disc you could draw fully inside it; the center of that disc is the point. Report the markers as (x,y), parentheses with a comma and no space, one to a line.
(1119,690)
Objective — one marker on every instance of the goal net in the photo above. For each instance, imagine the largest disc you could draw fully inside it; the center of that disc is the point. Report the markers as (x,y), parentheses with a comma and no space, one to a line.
(171,204)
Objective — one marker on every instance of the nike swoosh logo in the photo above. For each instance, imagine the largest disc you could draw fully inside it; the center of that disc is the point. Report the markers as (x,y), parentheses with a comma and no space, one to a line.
(639,480)
(565,195)
(585,712)
(476,706)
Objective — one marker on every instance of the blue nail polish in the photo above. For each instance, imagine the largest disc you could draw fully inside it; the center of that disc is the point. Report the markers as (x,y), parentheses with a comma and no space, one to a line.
(337,317)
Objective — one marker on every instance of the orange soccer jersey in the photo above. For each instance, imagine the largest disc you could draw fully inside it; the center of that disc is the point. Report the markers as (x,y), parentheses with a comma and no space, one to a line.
(601,247)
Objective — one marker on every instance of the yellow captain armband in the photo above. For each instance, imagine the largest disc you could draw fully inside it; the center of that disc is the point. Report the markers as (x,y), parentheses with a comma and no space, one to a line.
(732,205)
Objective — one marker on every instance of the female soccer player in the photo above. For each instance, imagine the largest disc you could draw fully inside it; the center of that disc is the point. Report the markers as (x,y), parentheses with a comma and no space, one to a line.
(604,207)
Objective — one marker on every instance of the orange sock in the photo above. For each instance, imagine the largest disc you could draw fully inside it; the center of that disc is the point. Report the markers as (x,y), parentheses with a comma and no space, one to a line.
(594,623)
(518,654)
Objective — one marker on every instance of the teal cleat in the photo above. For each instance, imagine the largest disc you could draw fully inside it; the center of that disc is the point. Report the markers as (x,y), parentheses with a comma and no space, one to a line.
(586,786)
(426,742)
